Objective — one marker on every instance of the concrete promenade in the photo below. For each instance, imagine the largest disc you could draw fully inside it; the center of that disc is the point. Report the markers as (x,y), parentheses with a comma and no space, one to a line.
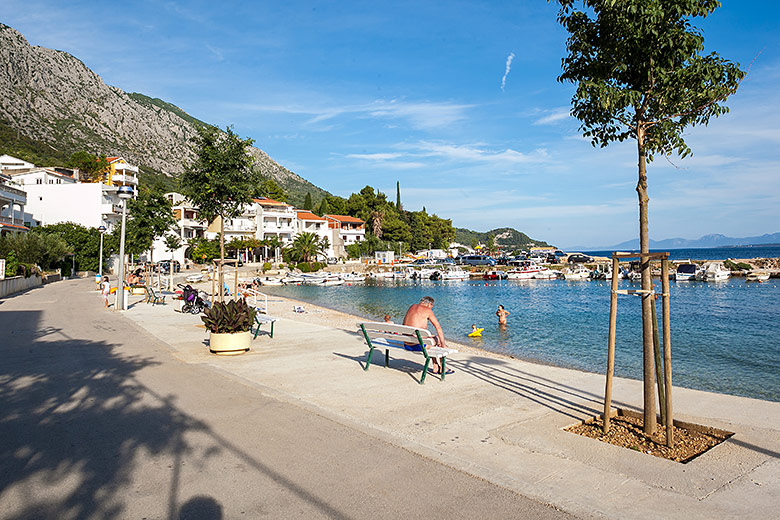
(497,419)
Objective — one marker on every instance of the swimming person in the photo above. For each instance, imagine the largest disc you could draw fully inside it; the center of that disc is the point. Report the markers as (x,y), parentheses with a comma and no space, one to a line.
(418,316)
(502,314)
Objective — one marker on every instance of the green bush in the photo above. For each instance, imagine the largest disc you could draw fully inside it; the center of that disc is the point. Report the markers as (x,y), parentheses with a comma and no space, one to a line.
(737,266)
(231,317)
(266,266)
(11,264)
(304,267)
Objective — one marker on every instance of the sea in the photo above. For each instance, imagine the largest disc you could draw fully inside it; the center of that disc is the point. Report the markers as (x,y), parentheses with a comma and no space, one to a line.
(724,335)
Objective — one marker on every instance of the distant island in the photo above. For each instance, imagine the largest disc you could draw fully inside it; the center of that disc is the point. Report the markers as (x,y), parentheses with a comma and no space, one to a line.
(707,241)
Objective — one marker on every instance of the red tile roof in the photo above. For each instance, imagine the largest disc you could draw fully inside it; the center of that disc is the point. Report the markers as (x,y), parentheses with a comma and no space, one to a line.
(308,215)
(270,202)
(345,218)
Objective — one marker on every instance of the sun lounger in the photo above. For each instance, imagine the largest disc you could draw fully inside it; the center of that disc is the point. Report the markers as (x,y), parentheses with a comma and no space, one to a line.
(194,278)
(382,334)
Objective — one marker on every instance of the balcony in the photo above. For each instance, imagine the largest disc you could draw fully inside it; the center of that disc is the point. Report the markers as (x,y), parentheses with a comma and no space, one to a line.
(192,224)
(124,167)
(124,179)
(14,195)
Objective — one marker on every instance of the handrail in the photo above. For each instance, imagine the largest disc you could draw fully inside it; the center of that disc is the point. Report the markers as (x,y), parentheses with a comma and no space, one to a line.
(253,295)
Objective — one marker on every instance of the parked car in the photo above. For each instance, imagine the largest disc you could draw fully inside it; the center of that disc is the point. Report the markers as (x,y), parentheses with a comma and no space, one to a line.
(165,266)
(477,260)
(579,258)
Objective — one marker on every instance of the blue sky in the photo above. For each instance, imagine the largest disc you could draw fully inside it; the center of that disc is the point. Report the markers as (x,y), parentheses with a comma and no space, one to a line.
(456,100)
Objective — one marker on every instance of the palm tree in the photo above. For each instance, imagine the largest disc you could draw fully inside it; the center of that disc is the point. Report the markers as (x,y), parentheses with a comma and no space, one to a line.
(376,222)
(305,246)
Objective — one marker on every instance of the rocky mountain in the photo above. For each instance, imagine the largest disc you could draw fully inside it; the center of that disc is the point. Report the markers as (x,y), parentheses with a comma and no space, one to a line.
(714,240)
(506,238)
(52,104)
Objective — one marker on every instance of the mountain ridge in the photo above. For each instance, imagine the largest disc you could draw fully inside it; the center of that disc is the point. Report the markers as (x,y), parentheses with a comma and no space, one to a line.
(705,241)
(50,98)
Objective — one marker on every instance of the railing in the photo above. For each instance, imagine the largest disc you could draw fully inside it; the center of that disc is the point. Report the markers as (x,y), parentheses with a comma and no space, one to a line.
(252,300)
(13,194)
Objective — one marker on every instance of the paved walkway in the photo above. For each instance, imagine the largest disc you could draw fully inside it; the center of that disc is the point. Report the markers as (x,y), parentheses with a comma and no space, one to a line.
(99,420)
(496,418)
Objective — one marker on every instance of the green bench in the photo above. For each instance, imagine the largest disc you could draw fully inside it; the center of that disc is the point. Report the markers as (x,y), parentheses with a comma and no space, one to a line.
(261,319)
(389,335)
(154,298)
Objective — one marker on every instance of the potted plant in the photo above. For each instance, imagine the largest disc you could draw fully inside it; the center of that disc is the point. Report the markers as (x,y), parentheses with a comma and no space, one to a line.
(230,326)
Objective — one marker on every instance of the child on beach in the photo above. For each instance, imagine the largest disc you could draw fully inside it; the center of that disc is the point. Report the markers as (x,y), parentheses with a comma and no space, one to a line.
(387,319)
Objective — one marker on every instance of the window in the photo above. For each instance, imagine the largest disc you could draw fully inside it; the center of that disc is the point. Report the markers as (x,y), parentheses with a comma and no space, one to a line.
(38,181)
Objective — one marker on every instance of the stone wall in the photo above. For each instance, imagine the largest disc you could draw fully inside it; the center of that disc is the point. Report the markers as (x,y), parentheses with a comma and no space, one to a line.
(15,284)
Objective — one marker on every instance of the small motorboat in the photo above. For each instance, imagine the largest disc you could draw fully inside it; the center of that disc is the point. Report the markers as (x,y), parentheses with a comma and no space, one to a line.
(454,273)
(353,277)
(757,276)
(494,275)
(579,272)
(687,271)
(713,272)
(269,281)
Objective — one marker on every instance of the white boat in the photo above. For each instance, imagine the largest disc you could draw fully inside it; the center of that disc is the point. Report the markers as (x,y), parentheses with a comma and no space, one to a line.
(382,274)
(330,280)
(713,272)
(546,274)
(687,271)
(292,279)
(757,276)
(635,276)
(579,272)
(527,270)
(353,277)
(454,273)
(269,281)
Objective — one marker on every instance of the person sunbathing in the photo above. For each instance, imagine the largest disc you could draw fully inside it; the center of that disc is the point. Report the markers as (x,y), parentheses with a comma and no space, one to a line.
(418,316)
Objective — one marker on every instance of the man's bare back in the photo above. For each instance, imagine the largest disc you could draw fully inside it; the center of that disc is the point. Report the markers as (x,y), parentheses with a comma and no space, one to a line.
(418,316)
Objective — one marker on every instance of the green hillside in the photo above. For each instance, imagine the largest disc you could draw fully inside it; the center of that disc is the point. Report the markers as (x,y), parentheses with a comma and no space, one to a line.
(506,238)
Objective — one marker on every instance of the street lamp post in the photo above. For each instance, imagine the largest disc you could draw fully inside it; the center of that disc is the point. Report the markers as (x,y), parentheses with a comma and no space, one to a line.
(102,230)
(124,192)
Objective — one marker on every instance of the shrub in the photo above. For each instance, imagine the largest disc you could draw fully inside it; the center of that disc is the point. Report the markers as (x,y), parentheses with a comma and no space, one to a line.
(266,266)
(231,317)
(737,266)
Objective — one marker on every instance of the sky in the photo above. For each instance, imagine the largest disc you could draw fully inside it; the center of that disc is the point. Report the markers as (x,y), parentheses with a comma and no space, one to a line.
(458,101)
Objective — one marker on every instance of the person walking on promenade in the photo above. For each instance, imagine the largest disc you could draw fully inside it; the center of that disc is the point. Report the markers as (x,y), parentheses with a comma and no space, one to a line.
(105,287)
(418,316)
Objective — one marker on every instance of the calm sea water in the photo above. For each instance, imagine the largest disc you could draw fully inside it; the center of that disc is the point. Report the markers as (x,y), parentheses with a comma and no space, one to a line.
(724,334)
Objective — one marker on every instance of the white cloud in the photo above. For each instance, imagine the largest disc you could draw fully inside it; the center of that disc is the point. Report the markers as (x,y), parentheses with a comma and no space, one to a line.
(558,114)
(507,69)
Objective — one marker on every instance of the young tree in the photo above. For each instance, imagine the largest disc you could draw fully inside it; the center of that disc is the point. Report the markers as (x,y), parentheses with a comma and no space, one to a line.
(220,181)
(398,205)
(641,74)
(307,203)
(269,188)
(91,167)
(305,246)
(149,217)
(172,243)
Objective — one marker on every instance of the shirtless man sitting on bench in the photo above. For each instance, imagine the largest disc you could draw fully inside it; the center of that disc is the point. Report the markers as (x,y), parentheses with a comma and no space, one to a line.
(418,316)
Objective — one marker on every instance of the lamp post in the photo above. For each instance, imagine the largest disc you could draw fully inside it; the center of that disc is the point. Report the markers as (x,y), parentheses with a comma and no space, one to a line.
(124,192)
(102,230)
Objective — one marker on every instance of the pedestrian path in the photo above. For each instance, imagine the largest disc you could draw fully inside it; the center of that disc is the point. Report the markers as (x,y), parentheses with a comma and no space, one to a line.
(502,419)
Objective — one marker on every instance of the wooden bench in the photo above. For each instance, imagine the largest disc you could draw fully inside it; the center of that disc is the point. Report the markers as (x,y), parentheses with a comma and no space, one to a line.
(153,298)
(260,319)
(387,335)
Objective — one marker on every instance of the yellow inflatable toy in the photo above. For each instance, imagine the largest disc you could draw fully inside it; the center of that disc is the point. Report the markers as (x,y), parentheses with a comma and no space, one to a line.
(476,333)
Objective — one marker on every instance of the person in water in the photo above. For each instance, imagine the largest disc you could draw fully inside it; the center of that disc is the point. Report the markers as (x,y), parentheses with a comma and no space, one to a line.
(502,314)
(418,316)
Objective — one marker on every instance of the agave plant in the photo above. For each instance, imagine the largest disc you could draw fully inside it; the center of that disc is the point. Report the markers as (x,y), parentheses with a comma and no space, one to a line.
(230,317)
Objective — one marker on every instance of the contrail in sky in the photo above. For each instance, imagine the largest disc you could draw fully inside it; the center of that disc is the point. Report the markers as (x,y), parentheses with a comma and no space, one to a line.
(508,68)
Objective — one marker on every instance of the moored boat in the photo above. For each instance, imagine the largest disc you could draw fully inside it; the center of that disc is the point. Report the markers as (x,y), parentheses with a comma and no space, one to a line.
(757,276)
(687,271)
(494,275)
(576,273)
(713,272)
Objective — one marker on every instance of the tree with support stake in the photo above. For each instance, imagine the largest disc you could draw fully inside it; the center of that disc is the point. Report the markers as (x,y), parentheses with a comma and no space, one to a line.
(641,73)
(221,180)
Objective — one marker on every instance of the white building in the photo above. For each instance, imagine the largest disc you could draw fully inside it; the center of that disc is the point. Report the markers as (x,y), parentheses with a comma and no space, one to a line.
(12,207)
(262,219)
(89,204)
(189,225)
(345,231)
(43,176)
(8,164)
(308,222)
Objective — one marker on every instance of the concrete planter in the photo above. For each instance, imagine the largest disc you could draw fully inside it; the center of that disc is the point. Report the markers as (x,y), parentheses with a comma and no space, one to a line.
(229,344)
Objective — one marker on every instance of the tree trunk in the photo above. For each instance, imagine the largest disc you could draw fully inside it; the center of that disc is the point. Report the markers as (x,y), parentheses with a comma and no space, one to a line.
(220,270)
(648,372)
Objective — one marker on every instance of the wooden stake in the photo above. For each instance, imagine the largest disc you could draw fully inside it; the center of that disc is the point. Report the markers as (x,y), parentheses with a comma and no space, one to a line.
(659,376)
(611,343)
(667,352)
